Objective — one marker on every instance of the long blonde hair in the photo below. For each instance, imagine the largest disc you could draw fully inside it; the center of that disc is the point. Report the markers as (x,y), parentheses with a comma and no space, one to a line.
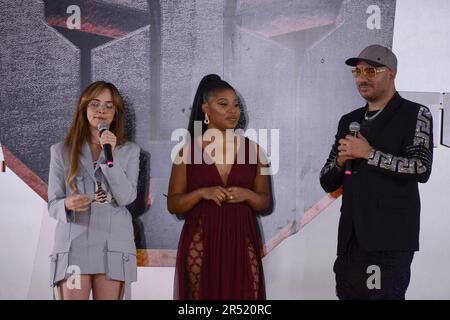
(79,132)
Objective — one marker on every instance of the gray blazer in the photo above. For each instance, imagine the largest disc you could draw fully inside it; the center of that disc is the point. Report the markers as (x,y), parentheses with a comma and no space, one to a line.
(108,226)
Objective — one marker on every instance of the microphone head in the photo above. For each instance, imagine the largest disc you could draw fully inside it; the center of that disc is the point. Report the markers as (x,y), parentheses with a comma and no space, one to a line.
(354,127)
(102,126)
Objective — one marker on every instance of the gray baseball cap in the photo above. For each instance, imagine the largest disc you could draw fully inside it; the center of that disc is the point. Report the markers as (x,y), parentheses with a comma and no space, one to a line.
(376,56)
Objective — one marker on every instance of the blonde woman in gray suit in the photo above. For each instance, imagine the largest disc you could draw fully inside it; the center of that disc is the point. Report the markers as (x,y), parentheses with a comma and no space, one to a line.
(94,246)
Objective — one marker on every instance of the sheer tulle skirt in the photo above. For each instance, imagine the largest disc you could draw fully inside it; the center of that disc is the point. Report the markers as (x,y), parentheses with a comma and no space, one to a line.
(219,254)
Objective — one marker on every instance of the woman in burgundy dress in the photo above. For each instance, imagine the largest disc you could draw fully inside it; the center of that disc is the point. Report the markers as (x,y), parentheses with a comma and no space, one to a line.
(220,249)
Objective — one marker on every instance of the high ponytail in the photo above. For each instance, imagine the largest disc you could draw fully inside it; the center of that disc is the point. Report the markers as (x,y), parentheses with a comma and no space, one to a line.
(208,86)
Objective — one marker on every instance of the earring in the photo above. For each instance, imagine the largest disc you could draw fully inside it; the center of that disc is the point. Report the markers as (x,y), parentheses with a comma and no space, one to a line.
(206,121)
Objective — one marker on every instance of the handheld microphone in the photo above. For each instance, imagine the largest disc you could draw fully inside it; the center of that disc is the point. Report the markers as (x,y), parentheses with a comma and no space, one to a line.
(354,129)
(106,147)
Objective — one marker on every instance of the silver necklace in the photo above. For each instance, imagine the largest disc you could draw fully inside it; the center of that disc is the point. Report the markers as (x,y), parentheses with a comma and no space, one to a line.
(372,117)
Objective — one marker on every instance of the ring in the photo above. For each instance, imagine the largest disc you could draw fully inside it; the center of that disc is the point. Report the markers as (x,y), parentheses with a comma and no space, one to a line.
(231,197)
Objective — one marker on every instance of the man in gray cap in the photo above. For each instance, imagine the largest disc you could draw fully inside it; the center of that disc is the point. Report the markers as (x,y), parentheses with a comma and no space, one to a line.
(379,169)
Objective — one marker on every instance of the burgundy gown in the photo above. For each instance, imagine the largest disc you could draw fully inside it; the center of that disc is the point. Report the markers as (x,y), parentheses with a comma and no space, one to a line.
(219,252)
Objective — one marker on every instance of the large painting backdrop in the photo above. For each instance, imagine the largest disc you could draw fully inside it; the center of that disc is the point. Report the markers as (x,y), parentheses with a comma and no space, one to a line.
(285,57)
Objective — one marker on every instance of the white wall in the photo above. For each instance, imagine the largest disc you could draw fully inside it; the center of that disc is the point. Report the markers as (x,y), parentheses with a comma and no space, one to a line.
(20,220)
(301,266)
(421,42)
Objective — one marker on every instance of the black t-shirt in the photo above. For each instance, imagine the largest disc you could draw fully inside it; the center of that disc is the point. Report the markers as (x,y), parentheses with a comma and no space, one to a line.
(366,124)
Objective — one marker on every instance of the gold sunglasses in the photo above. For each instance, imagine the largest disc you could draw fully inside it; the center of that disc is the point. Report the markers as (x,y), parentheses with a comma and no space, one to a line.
(369,72)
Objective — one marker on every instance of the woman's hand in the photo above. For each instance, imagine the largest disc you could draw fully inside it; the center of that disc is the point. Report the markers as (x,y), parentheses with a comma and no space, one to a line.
(107,137)
(217,194)
(238,194)
(77,202)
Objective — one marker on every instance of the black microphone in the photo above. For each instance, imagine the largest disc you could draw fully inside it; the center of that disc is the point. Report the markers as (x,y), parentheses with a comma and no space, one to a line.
(354,129)
(106,147)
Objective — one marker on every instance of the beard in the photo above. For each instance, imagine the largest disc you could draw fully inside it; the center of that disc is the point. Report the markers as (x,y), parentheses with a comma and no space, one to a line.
(367,91)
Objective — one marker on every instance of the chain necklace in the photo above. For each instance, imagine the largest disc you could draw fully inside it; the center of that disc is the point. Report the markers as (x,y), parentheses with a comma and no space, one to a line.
(367,118)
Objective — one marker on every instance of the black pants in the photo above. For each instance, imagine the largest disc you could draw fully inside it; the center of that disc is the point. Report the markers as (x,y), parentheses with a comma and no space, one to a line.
(358,271)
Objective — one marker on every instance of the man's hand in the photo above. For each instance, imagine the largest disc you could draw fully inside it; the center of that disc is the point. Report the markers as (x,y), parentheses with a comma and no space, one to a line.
(353,148)
(342,159)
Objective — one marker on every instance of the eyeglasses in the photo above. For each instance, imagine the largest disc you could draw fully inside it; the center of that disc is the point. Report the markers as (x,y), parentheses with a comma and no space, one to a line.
(95,105)
(369,72)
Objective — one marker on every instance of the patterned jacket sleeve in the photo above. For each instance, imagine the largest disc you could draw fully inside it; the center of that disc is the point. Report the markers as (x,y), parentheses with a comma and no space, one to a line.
(331,175)
(418,155)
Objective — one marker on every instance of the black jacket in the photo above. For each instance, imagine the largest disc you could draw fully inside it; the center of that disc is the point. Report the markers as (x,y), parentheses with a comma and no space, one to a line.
(380,201)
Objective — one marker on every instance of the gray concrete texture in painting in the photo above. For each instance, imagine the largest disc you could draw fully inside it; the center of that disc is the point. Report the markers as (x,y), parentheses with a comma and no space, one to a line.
(39,83)
(285,58)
